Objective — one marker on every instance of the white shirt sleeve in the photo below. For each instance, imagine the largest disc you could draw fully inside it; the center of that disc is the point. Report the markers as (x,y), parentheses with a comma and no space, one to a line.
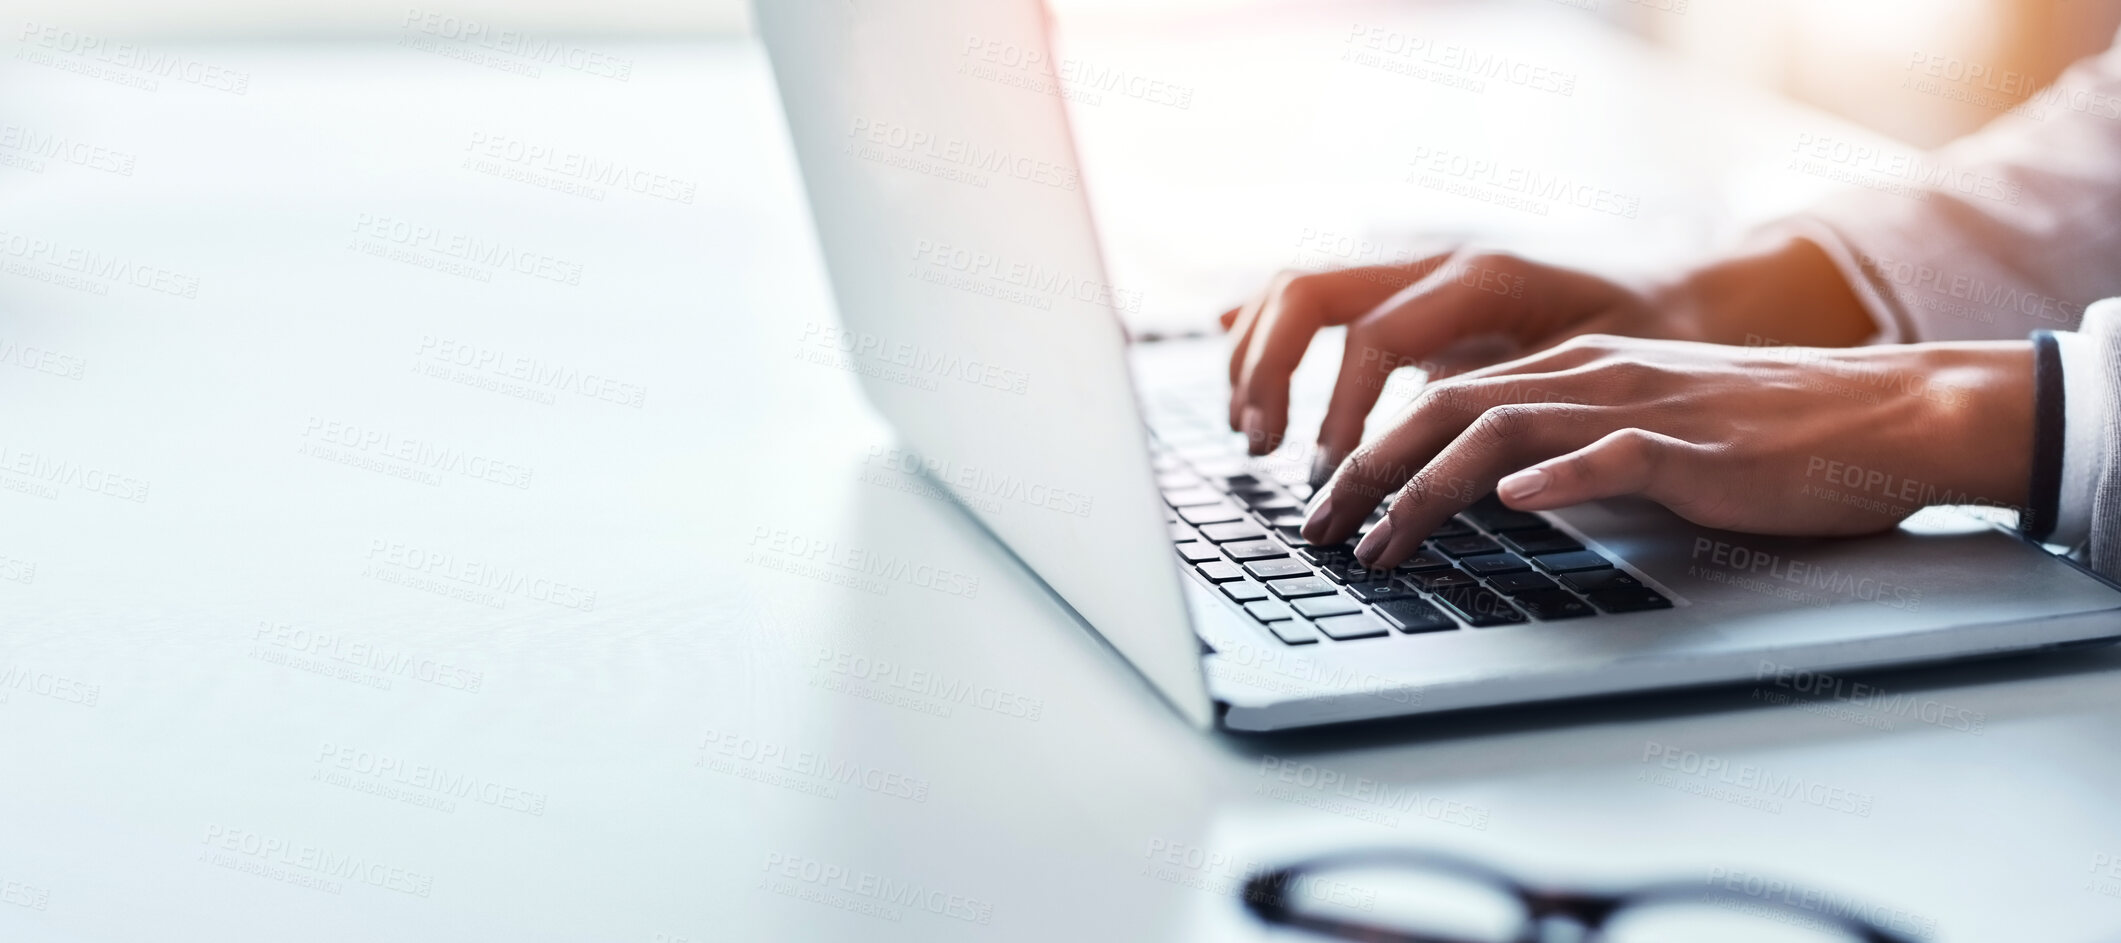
(2084,416)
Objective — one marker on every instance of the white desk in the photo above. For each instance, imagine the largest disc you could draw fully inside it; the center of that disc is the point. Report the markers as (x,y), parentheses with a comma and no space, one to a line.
(297,633)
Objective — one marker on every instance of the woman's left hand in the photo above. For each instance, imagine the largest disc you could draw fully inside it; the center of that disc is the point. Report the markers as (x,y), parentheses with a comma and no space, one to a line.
(1773,440)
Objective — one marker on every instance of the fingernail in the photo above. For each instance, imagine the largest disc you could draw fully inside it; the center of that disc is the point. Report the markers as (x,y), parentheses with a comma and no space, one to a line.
(1321,512)
(1374,544)
(1522,485)
(1255,423)
(1322,466)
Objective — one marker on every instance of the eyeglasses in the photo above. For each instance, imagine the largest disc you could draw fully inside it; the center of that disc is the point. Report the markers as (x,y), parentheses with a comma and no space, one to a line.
(1402,896)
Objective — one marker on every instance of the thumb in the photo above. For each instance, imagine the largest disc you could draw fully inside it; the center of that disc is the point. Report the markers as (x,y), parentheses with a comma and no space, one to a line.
(1630,461)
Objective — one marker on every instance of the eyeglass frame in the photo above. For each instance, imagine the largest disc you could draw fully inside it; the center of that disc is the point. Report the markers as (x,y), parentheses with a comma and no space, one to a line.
(1265,895)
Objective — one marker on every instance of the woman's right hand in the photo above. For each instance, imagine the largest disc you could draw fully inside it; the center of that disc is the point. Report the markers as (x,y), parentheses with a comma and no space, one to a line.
(1412,315)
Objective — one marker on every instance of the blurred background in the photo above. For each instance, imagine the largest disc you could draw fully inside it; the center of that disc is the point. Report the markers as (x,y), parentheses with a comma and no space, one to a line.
(1846,56)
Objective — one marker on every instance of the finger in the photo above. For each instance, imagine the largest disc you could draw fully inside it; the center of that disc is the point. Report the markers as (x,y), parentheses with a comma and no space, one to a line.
(1436,418)
(1569,348)
(1247,320)
(1628,461)
(1364,370)
(1407,329)
(1502,440)
(1281,333)
(1429,423)
(1576,351)
(1228,318)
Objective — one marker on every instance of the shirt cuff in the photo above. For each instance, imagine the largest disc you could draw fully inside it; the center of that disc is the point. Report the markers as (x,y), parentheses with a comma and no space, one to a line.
(2083,414)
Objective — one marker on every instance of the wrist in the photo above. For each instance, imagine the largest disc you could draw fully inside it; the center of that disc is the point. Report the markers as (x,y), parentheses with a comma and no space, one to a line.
(1976,437)
(1785,292)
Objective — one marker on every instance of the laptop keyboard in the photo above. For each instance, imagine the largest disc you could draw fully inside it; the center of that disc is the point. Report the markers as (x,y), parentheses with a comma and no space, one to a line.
(1236,521)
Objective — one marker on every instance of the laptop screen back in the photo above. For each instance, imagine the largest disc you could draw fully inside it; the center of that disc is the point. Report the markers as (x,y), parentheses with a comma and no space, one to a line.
(935,148)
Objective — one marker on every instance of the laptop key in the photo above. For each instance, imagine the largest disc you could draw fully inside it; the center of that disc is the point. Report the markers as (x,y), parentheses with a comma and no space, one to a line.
(1629,600)
(1435,580)
(1220,571)
(1192,497)
(1573,561)
(1412,615)
(1468,546)
(1455,527)
(1234,530)
(1498,518)
(1242,481)
(1271,502)
(1532,543)
(1210,513)
(1553,604)
(1278,568)
(1255,550)
(1346,570)
(1181,532)
(1244,591)
(1321,556)
(1278,506)
(1178,480)
(1319,607)
(1425,560)
(1375,591)
(1351,627)
(1494,564)
(1478,606)
(1196,552)
(1301,586)
(1591,581)
(1293,632)
(1270,610)
(1514,584)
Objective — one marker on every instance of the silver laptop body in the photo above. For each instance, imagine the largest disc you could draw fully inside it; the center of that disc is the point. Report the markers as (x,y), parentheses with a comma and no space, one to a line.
(936,151)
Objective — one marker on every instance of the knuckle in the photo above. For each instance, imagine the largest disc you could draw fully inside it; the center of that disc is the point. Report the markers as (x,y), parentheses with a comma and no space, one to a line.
(1640,446)
(1630,377)
(1455,396)
(1369,475)
(1572,469)
(1417,492)
(1498,425)
(1433,399)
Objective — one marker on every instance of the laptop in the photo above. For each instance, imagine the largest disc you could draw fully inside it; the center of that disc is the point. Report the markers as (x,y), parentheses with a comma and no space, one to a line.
(936,151)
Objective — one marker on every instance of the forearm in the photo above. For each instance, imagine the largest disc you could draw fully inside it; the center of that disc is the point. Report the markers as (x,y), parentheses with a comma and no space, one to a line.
(1783,292)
